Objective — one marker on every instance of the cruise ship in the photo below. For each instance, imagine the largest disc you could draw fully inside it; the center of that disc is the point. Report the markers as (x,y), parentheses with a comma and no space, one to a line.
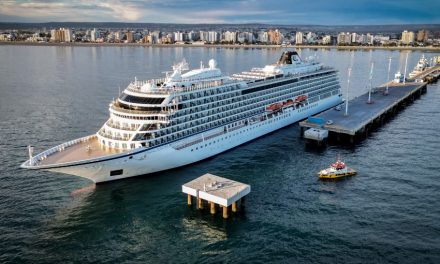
(191,115)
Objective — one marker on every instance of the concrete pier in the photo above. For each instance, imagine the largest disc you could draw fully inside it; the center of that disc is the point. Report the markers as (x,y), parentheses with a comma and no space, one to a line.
(216,191)
(363,116)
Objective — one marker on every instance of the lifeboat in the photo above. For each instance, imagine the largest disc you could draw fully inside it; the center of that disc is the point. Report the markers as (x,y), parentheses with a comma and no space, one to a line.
(288,103)
(301,98)
(336,170)
(274,107)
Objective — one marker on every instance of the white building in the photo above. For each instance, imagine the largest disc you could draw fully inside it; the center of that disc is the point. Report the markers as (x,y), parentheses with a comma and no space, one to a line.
(119,36)
(249,37)
(340,39)
(311,38)
(326,40)
(94,35)
(370,39)
(299,37)
(213,36)
(192,36)
(230,36)
(204,35)
(263,37)
(178,36)
(354,37)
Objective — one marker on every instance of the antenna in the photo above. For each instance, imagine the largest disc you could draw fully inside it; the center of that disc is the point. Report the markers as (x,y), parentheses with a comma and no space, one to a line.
(348,88)
(406,64)
(371,86)
(388,76)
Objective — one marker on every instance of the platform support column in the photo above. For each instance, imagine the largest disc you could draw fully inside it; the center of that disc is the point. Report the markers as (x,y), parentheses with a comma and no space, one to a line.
(234,207)
(225,212)
(242,203)
(189,199)
(212,208)
(200,203)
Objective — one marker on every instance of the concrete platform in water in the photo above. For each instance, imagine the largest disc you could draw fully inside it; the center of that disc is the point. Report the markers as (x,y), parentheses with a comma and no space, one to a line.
(363,116)
(216,191)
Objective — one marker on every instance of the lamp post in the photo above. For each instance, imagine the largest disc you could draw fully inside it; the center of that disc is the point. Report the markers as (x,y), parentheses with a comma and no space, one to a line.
(388,76)
(348,88)
(371,80)
(406,64)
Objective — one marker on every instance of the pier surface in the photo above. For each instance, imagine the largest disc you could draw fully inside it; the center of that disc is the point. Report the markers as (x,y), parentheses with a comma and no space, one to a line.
(216,189)
(361,114)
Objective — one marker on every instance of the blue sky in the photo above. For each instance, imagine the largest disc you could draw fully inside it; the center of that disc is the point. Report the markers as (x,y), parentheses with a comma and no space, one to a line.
(318,12)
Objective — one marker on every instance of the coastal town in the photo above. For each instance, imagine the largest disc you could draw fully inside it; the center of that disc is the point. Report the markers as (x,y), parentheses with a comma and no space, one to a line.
(419,38)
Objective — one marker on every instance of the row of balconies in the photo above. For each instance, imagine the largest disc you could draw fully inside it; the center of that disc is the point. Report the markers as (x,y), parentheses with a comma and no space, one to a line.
(271,91)
(116,136)
(251,103)
(123,126)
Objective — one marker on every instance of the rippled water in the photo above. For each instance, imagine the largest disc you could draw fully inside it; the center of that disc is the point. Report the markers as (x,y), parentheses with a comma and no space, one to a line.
(389,212)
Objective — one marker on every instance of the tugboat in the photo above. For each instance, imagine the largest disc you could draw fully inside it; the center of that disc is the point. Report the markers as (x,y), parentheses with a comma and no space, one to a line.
(336,170)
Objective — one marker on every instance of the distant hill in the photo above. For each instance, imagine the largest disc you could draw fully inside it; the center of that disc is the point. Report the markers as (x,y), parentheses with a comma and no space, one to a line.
(218,27)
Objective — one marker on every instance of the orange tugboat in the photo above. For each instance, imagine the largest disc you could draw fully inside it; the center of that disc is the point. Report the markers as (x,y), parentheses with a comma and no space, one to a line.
(336,170)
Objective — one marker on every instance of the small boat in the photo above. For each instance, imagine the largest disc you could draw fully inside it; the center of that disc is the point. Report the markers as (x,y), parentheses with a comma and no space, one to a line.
(336,170)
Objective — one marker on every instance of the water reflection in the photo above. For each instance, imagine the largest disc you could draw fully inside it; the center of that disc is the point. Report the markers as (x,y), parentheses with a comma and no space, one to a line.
(201,230)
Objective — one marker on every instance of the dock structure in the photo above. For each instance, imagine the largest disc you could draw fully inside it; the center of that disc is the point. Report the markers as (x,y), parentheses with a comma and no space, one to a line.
(216,191)
(363,116)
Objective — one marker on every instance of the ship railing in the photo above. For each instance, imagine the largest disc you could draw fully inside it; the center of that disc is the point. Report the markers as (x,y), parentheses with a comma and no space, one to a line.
(139,112)
(110,136)
(199,86)
(199,138)
(203,84)
(35,160)
(116,126)
(236,127)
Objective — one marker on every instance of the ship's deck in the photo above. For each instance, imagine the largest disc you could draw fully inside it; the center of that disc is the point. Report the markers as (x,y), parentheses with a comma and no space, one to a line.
(89,149)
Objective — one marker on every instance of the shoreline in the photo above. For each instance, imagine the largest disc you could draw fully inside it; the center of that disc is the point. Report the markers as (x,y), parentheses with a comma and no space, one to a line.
(244,46)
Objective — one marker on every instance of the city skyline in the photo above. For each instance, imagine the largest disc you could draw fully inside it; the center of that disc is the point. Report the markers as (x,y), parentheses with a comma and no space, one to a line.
(318,12)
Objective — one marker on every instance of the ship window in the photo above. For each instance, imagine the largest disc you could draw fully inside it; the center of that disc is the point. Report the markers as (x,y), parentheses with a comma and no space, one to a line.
(116,172)
(141,100)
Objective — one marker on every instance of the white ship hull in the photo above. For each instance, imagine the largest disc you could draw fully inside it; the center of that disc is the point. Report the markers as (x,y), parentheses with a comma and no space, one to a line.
(167,157)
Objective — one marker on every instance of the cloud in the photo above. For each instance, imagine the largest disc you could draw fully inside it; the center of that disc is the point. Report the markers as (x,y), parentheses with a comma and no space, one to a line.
(322,12)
